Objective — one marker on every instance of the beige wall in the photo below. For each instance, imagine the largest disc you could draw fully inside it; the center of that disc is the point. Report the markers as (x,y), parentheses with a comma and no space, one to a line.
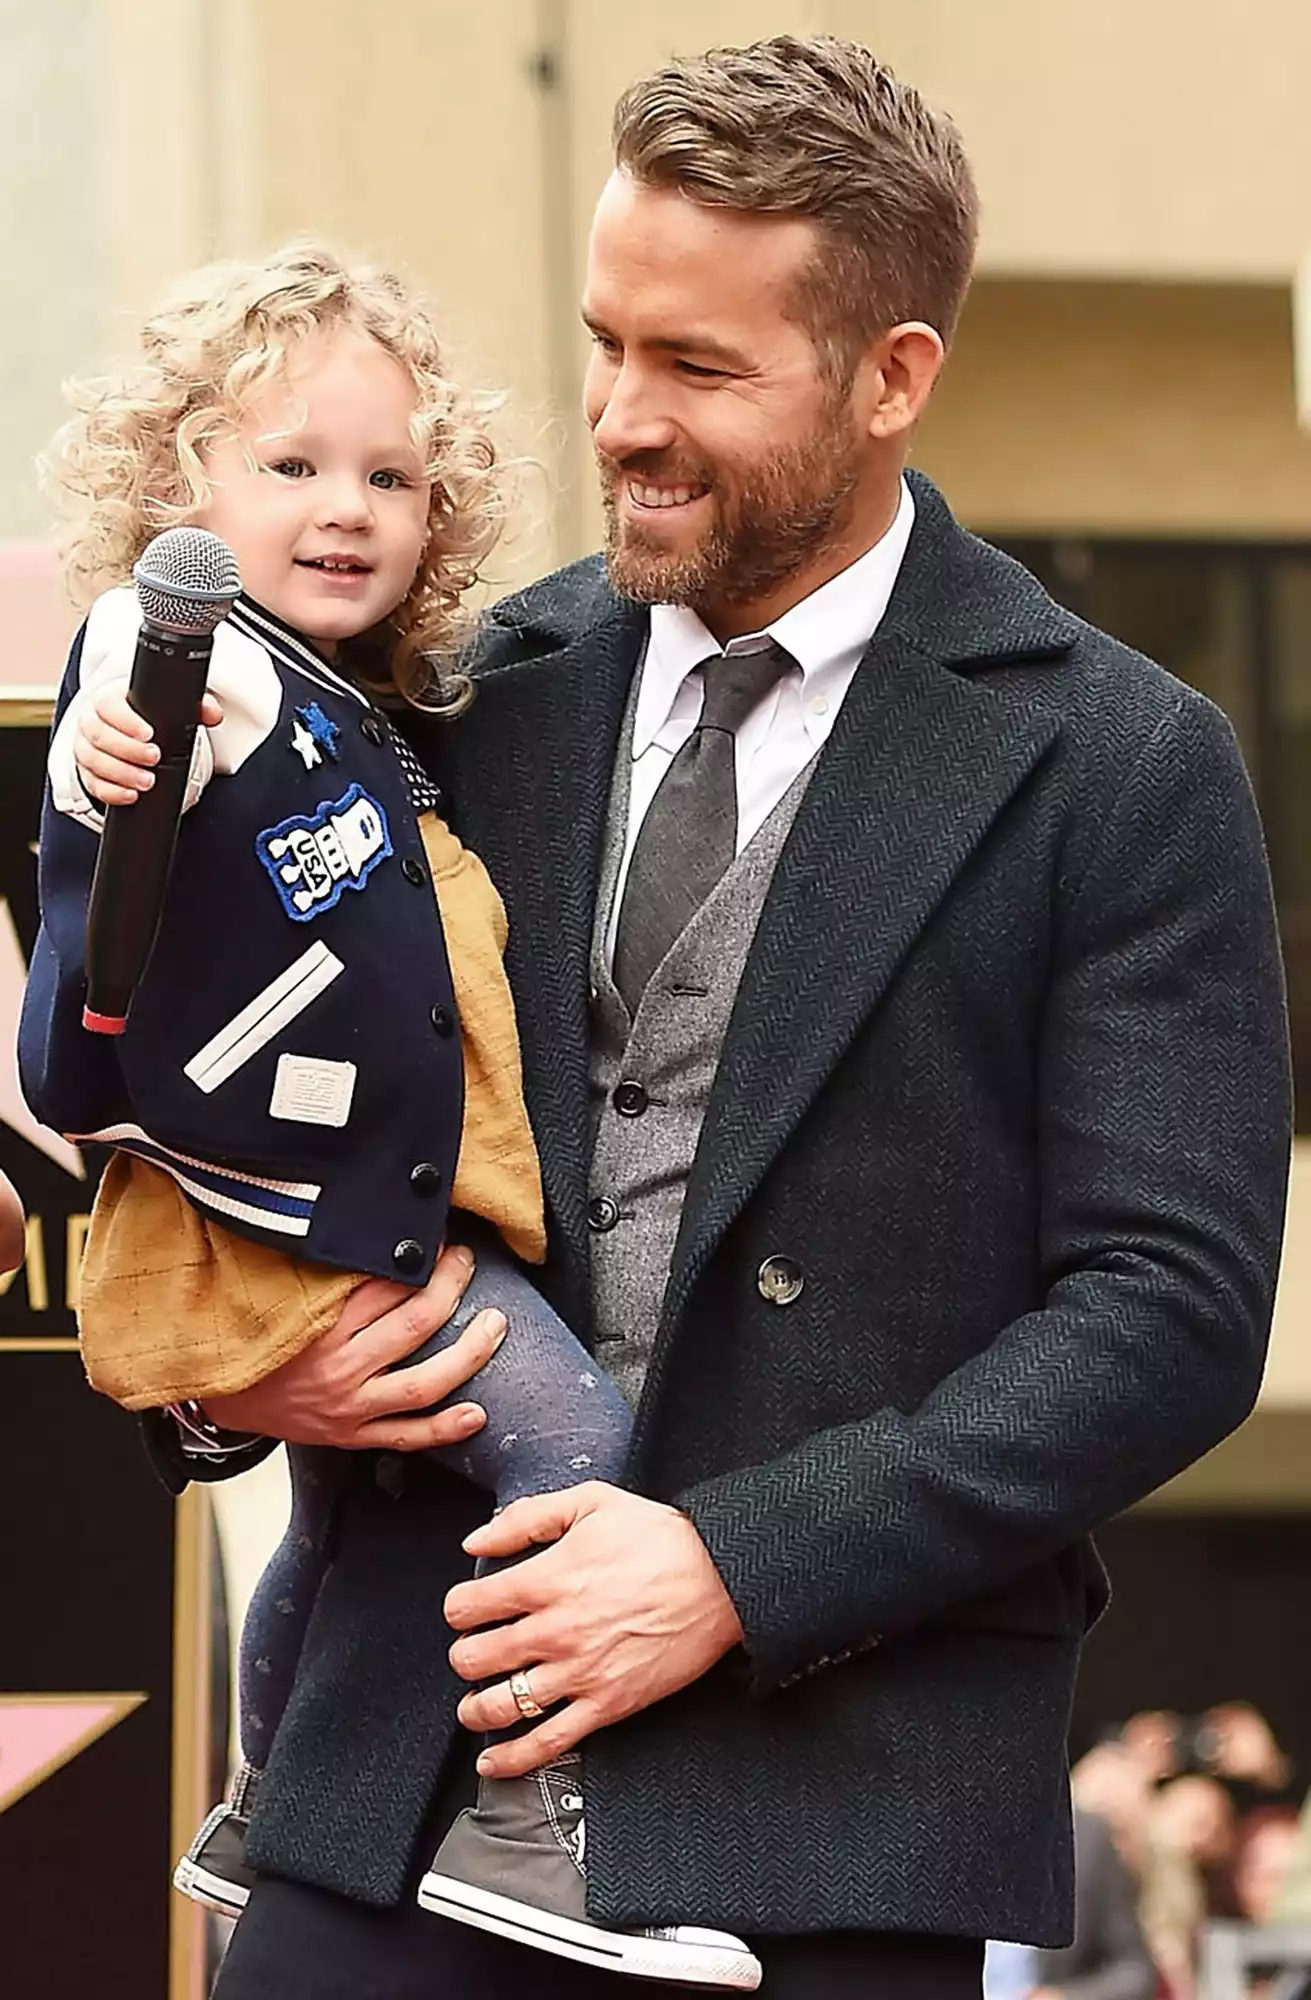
(1115,408)
(52,288)
(1127,138)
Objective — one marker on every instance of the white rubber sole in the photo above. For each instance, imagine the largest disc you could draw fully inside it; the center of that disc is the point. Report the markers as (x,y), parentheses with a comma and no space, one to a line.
(227,1898)
(640,1954)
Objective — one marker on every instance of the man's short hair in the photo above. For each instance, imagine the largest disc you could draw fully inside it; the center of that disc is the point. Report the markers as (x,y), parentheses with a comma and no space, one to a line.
(815,126)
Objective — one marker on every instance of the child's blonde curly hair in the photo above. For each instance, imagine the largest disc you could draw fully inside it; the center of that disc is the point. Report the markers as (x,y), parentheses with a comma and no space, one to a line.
(130,462)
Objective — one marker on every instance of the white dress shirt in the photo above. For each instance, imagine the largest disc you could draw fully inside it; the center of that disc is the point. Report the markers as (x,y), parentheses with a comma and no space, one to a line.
(826,635)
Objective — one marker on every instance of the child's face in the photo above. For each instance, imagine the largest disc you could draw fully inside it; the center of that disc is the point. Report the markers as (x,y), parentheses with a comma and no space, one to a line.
(329,524)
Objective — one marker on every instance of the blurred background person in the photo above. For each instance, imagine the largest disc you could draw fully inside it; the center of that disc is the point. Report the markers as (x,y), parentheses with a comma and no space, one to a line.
(1190,1840)
(1265,1846)
(1293,1903)
(1109,1959)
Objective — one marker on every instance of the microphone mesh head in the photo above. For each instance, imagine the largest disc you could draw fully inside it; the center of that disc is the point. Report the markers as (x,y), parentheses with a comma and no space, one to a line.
(186,579)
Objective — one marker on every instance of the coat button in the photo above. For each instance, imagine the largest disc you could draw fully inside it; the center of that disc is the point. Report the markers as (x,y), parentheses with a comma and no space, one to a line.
(780,1281)
(414,871)
(630,1100)
(426,1179)
(443,1021)
(408,1256)
(371,729)
(602,1213)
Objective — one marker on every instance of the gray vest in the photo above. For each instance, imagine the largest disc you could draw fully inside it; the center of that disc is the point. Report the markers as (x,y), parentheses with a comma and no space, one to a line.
(650,1079)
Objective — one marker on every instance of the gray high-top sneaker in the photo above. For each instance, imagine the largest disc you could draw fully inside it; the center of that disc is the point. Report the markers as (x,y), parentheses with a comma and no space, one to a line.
(213,1870)
(514,1865)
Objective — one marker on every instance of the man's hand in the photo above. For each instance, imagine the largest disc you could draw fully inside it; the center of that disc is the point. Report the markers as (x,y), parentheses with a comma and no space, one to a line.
(622,1608)
(339,1391)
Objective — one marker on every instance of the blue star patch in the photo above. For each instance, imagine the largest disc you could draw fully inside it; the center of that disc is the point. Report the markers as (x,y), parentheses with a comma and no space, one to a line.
(314,736)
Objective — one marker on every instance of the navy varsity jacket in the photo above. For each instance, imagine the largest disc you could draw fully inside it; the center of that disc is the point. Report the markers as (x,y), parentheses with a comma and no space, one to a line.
(292,1056)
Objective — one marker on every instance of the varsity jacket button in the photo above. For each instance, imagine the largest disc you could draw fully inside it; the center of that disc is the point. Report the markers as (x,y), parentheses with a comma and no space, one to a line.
(630,1100)
(426,1179)
(414,871)
(443,1021)
(602,1213)
(780,1281)
(408,1256)
(372,729)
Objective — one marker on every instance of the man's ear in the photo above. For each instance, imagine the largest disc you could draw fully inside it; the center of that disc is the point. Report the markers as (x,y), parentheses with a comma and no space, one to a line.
(896,378)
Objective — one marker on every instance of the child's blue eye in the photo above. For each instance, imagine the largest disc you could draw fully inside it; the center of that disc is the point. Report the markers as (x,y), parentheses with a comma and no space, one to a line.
(292,468)
(388,481)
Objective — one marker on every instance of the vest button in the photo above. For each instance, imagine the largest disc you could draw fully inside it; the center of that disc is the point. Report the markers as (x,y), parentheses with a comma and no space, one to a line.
(602,1213)
(408,1256)
(630,1100)
(426,1179)
(780,1281)
(414,871)
(371,729)
(442,1021)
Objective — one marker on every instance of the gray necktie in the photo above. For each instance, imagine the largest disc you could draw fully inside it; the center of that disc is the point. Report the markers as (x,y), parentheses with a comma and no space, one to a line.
(689,835)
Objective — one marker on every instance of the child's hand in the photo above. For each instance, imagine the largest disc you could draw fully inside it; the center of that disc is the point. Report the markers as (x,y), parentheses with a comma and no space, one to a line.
(116,750)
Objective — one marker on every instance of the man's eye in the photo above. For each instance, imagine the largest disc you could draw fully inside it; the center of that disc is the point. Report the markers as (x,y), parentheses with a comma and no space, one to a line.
(703,374)
(292,468)
(389,480)
(606,343)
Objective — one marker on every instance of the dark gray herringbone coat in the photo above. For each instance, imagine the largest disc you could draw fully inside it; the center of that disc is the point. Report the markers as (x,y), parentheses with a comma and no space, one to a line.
(1007,1078)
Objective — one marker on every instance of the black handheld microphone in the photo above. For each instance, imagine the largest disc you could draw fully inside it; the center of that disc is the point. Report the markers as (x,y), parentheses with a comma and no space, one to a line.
(186,580)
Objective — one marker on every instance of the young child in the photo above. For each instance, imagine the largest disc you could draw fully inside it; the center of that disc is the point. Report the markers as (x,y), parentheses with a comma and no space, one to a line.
(289,1108)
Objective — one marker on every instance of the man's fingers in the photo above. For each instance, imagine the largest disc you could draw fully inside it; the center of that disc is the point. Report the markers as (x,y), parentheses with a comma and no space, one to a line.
(495,1707)
(367,1303)
(211,711)
(395,1334)
(559,1732)
(495,1653)
(507,1593)
(400,1391)
(430,1433)
(530,1523)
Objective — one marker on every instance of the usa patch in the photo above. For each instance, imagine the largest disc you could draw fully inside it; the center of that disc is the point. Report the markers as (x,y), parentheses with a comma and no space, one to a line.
(312,860)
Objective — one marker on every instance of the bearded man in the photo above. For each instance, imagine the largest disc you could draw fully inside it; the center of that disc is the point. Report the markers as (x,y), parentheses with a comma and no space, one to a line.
(903,1036)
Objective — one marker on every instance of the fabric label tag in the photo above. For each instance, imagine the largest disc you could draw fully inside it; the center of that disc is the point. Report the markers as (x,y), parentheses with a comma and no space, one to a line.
(310,1090)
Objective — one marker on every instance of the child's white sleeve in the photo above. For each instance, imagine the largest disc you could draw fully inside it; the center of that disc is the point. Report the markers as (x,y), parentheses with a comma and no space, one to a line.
(241,675)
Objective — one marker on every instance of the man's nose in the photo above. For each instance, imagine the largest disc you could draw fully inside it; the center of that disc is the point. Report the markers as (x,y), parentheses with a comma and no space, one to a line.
(628,417)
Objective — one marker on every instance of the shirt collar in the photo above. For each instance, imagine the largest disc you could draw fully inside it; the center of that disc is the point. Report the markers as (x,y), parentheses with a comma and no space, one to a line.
(829,629)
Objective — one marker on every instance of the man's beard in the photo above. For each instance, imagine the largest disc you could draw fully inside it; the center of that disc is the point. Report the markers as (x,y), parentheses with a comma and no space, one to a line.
(764,530)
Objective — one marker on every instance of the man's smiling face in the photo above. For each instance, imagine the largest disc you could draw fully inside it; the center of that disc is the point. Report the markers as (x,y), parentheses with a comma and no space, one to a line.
(729,456)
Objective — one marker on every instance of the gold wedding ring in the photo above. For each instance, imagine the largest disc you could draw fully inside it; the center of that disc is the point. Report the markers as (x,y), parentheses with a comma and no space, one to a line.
(524,1700)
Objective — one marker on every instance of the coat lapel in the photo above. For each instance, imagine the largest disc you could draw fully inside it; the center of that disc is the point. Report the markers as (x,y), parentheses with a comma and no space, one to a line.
(531,774)
(923,758)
